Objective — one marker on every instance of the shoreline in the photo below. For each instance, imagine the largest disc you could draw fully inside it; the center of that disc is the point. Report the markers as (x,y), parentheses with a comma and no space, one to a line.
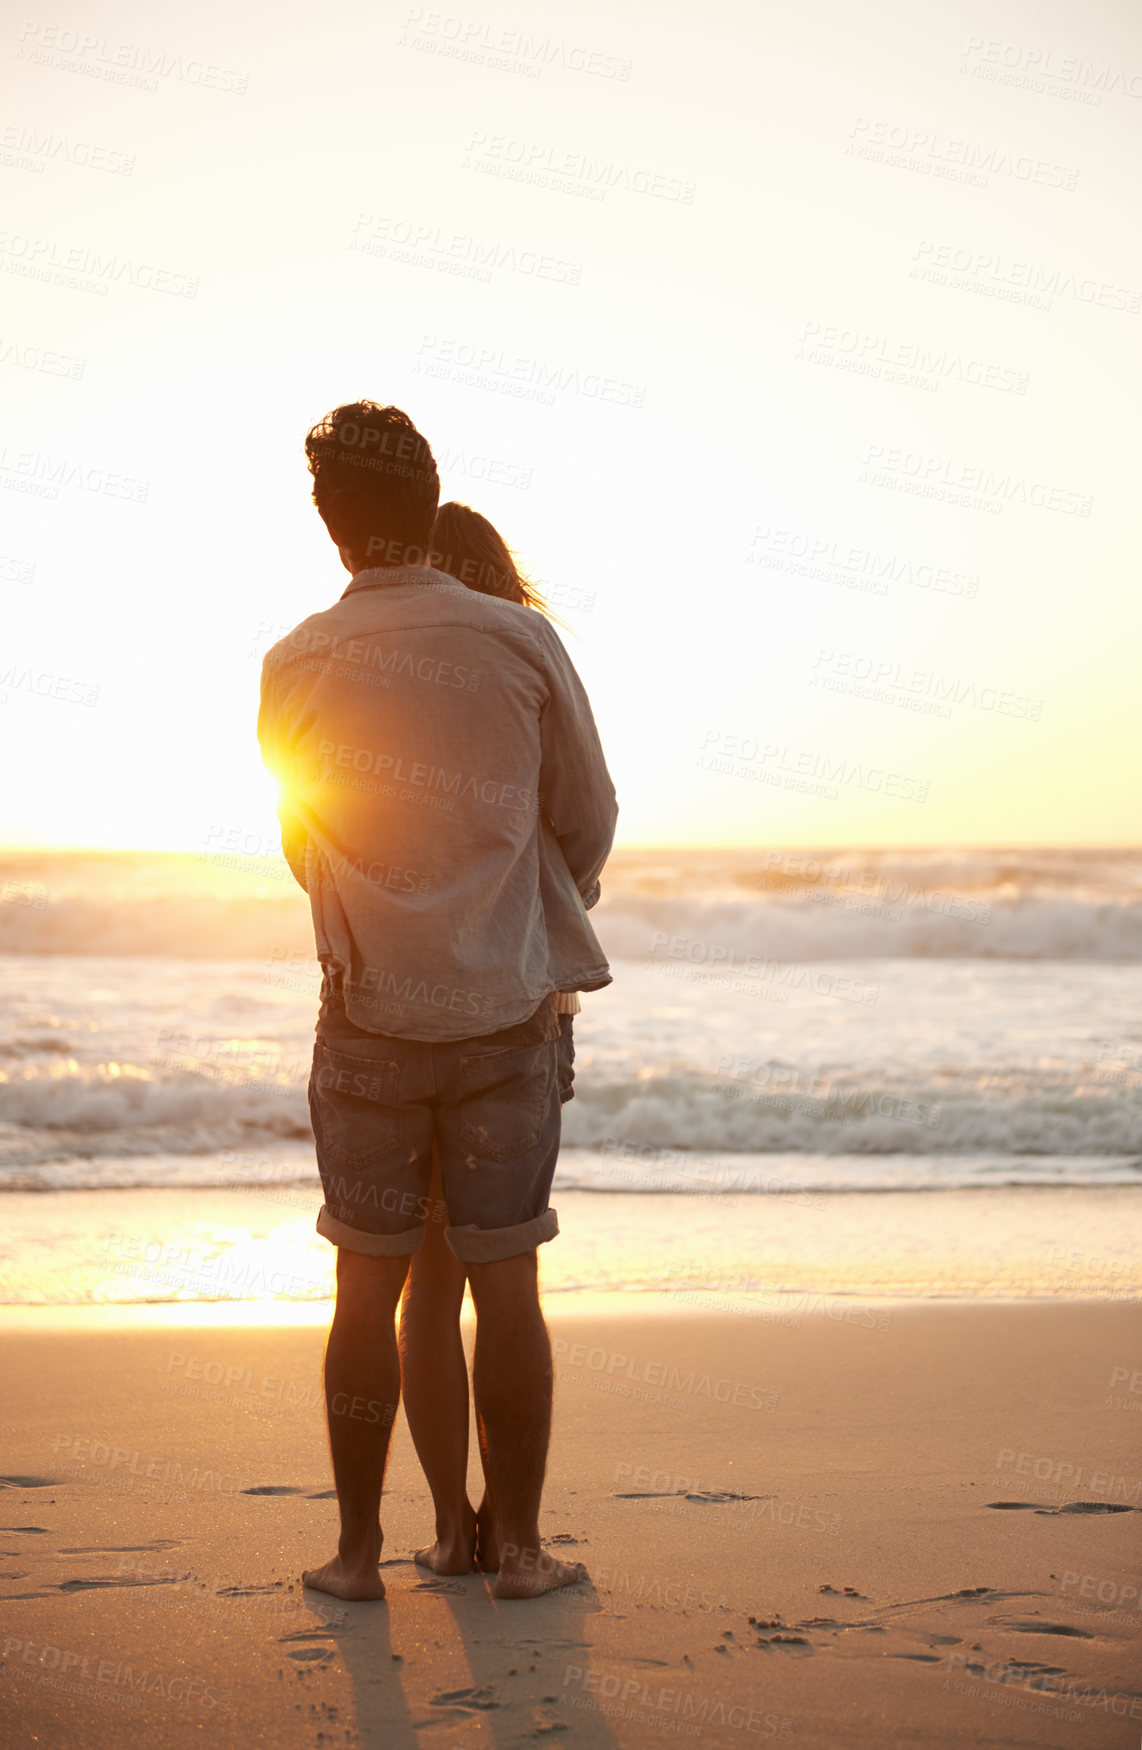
(559,1304)
(767,1255)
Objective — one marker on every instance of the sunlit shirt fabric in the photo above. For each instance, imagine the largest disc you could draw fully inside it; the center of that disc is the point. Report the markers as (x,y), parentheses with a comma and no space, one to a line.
(445,803)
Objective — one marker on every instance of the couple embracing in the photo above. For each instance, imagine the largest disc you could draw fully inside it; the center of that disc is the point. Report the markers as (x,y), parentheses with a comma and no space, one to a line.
(445,803)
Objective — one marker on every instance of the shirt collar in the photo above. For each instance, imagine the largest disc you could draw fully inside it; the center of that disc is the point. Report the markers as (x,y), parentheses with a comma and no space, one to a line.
(381,576)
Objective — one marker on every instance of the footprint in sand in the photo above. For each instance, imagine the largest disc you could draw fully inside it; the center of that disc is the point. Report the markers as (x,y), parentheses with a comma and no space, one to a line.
(28,1530)
(1067,1507)
(1042,1628)
(120,1549)
(127,1580)
(704,1497)
(467,1700)
(274,1489)
(26,1483)
(795,1644)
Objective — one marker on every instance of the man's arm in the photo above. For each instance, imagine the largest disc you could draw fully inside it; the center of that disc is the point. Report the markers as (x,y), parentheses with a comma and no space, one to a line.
(576,789)
(295,840)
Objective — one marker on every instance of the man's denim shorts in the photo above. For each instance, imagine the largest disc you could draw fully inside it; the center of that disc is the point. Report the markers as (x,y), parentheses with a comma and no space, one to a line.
(490,1105)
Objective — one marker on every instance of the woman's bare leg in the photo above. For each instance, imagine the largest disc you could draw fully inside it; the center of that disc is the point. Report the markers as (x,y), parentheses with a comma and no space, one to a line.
(434,1387)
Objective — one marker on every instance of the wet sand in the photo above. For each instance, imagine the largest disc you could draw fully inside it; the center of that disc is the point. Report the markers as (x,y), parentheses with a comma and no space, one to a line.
(874,1523)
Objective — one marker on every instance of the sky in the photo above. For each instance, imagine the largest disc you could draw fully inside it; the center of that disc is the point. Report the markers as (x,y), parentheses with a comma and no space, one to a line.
(795,351)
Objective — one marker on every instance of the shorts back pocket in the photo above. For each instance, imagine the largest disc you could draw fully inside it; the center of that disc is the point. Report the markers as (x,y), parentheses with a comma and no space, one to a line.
(505,1099)
(353,1107)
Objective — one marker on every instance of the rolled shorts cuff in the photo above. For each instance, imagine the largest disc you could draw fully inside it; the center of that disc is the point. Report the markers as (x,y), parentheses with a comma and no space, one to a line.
(356,1239)
(488,1245)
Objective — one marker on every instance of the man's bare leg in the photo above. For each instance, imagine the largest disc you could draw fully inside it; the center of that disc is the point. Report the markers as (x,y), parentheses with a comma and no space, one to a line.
(434,1385)
(513,1380)
(362,1391)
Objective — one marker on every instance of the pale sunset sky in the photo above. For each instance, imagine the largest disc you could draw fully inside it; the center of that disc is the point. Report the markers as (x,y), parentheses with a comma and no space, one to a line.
(796,350)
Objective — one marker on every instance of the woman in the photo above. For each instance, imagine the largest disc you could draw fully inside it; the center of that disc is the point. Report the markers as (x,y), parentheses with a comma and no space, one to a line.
(434,1373)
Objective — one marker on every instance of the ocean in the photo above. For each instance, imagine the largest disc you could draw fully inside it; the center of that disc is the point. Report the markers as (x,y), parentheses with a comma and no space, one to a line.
(785,1028)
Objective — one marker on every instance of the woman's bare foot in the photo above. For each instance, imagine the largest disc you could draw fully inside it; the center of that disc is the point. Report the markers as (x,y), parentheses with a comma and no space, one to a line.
(452,1553)
(356,1580)
(527,1573)
(487,1540)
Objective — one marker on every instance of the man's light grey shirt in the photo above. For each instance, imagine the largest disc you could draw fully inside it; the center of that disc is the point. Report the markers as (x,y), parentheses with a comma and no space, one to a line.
(445,802)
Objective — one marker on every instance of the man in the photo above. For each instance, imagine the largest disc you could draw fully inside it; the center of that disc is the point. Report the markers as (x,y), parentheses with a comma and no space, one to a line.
(446,805)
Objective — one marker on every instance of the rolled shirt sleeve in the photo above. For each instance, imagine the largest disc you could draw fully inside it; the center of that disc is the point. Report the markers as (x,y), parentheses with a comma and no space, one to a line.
(577,793)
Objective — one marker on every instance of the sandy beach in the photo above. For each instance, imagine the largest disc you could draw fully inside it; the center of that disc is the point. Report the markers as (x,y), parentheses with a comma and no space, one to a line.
(892,1523)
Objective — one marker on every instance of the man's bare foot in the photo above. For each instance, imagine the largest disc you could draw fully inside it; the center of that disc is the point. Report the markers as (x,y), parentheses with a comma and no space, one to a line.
(345,1580)
(487,1540)
(528,1573)
(451,1554)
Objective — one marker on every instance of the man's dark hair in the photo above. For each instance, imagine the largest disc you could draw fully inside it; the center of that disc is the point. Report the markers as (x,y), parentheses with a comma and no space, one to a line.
(374,482)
